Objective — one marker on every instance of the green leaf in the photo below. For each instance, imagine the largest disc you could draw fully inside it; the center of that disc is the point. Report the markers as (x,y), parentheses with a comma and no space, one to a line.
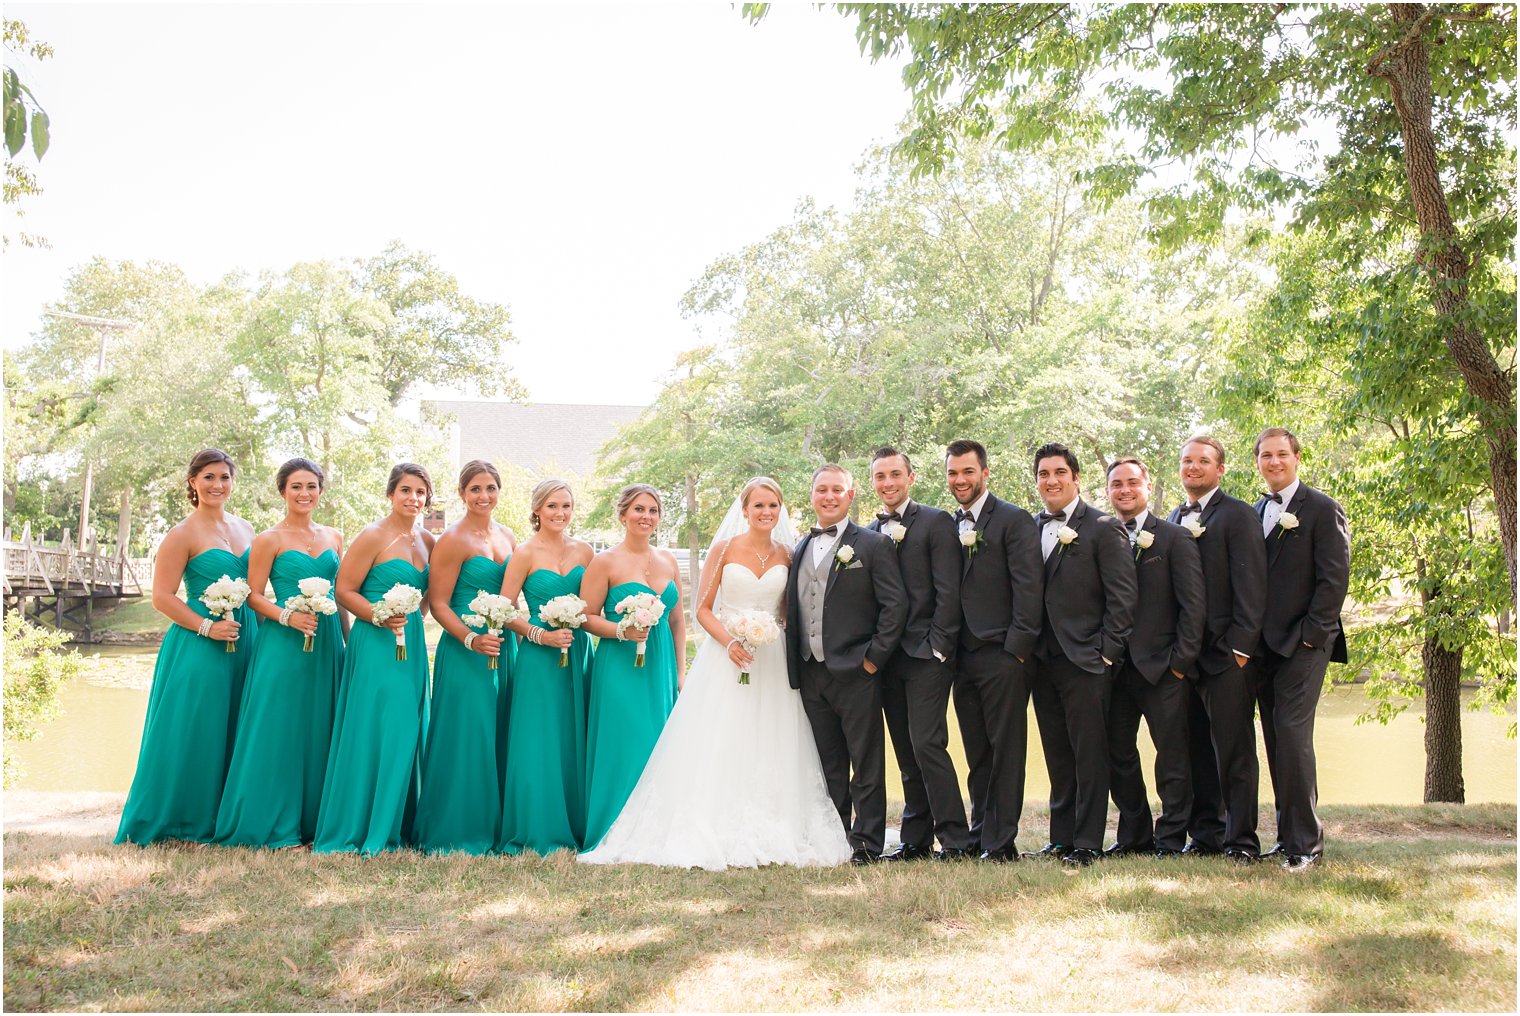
(15,127)
(39,133)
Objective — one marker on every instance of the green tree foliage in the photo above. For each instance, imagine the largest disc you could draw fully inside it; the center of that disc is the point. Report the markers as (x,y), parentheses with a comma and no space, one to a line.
(1228,100)
(36,668)
(24,117)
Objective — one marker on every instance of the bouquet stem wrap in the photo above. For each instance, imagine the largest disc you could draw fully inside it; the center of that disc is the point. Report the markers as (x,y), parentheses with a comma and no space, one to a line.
(399,600)
(493,612)
(643,611)
(315,598)
(568,611)
(224,596)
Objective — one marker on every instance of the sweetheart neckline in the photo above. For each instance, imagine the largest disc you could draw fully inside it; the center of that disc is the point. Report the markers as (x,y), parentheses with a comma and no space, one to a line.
(757,578)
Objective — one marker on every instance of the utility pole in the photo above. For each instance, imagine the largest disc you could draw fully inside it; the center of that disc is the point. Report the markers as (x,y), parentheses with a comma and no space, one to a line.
(103,326)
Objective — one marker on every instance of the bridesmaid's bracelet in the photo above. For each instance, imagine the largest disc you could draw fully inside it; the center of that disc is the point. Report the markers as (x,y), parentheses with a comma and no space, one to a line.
(620,636)
(205,629)
(535,635)
(285,616)
(469,639)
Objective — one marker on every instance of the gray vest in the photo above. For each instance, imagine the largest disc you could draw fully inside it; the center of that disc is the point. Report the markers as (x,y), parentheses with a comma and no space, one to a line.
(812,583)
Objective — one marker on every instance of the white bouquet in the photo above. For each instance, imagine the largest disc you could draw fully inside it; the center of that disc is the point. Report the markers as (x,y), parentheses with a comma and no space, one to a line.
(641,610)
(493,612)
(568,611)
(753,629)
(224,596)
(315,598)
(398,601)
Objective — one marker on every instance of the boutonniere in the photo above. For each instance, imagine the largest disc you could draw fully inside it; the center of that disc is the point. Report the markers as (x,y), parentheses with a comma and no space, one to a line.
(1288,521)
(1143,541)
(970,536)
(1195,527)
(896,530)
(1066,535)
(844,557)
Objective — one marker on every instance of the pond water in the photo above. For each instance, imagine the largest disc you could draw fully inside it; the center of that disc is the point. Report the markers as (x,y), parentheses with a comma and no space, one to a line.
(93,745)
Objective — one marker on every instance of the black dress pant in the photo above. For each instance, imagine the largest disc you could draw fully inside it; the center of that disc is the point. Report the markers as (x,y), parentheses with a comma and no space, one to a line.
(991,707)
(845,714)
(1164,706)
(1071,706)
(1229,698)
(1288,696)
(1206,824)
(915,695)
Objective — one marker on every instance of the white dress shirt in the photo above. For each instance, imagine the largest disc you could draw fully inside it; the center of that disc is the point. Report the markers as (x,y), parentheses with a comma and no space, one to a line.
(823,544)
(1048,532)
(1273,511)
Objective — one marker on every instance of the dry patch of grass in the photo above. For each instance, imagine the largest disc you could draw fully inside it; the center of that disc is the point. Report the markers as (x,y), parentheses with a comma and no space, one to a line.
(1414,910)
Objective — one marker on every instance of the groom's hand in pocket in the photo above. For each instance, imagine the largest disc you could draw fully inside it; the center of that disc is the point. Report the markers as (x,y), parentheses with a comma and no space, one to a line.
(870,668)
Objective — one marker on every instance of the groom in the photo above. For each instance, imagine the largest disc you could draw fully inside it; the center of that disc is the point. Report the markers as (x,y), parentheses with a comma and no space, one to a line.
(845,611)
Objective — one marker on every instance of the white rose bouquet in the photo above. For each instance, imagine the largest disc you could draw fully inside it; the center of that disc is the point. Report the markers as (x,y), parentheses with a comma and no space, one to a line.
(753,629)
(493,612)
(641,610)
(315,598)
(224,596)
(398,601)
(568,611)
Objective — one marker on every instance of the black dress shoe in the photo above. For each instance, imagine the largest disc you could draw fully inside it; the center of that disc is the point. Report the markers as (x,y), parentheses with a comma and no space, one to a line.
(1241,856)
(1276,851)
(1002,855)
(956,854)
(1127,849)
(864,856)
(1050,851)
(909,852)
(1297,863)
(1162,853)
(1079,857)
(1196,849)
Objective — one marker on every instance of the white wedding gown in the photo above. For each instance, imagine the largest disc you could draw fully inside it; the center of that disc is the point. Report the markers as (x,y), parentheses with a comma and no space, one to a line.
(734,781)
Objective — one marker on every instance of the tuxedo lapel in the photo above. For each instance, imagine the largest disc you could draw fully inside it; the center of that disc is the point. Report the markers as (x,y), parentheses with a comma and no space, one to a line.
(846,539)
(1210,508)
(1053,562)
(988,507)
(1279,534)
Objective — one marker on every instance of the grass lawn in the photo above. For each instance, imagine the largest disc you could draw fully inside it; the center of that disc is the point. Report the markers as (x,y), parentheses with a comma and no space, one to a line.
(1413,910)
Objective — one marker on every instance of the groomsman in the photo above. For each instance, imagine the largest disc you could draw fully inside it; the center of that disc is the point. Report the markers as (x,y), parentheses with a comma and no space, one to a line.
(1000,601)
(1152,682)
(845,608)
(915,684)
(1222,724)
(1089,608)
(1308,568)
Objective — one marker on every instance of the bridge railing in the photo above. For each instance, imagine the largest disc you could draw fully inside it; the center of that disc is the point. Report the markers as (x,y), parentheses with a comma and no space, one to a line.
(32,565)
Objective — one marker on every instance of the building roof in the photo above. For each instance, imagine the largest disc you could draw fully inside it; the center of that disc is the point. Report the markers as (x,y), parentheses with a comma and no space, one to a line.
(533,436)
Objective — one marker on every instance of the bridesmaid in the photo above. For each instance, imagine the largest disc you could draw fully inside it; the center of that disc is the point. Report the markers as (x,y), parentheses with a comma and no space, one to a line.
(192,710)
(629,704)
(370,796)
(543,807)
(460,806)
(274,785)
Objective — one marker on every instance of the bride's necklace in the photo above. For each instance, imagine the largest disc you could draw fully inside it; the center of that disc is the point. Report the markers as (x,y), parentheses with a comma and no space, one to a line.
(765,558)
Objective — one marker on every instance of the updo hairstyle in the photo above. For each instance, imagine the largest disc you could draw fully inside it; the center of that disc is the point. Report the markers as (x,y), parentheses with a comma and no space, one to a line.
(410,469)
(204,458)
(299,465)
(630,493)
(541,494)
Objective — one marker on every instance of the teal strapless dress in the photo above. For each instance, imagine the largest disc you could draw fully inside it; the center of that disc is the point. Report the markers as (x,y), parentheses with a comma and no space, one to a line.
(543,809)
(369,800)
(629,707)
(460,805)
(274,785)
(192,718)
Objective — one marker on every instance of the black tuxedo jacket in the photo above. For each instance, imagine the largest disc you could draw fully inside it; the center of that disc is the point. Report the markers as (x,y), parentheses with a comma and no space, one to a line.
(864,605)
(929,558)
(1308,570)
(1090,590)
(1169,613)
(1234,580)
(1002,588)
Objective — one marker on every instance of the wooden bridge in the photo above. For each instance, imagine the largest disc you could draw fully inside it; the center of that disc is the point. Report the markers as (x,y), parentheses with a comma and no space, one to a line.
(65,580)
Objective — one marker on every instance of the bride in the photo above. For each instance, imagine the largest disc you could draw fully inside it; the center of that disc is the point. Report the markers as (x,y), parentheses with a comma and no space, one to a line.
(734,781)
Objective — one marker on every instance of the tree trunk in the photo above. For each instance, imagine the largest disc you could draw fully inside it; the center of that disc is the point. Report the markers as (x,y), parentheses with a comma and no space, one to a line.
(1443,723)
(1406,67)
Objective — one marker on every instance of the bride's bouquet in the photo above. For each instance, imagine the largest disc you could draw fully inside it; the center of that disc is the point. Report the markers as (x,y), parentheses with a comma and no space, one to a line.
(493,612)
(315,598)
(398,601)
(568,611)
(753,629)
(224,596)
(641,610)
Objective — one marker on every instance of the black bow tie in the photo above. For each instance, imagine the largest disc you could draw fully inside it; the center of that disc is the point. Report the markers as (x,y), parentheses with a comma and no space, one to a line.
(1130,525)
(962,514)
(826,531)
(1272,497)
(885,517)
(1191,506)
(1052,517)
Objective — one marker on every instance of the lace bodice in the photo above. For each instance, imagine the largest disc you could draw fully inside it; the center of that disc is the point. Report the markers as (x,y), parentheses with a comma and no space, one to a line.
(740,590)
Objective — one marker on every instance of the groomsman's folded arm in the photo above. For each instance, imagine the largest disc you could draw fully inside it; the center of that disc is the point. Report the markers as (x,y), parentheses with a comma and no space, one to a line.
(1332,570)
(1026,572)
(1116,568)
(892,601)
(1192,607)
(945,567)
(1248,585)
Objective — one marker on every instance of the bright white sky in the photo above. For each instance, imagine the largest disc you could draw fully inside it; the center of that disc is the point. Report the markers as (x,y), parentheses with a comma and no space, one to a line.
(580,163)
